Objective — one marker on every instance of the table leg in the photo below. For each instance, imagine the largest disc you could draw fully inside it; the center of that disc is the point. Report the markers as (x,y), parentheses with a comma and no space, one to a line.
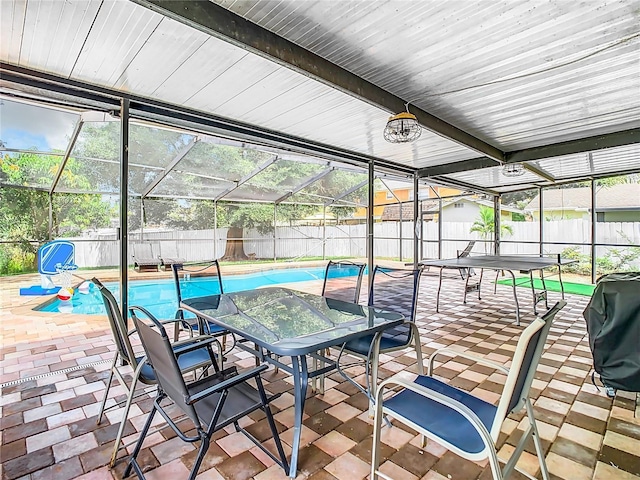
(560,280)
(300,382)
(544,287)
(515,296)
(533,293)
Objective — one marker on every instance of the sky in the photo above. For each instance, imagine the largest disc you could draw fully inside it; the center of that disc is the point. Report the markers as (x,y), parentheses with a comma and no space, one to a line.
(26,126)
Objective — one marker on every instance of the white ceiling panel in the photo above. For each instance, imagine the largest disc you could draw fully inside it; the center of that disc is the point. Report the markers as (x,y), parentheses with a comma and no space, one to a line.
(119,31)
(166,49)
(201,68)
(516,74)
(11,30)
(232,83)
(493,177)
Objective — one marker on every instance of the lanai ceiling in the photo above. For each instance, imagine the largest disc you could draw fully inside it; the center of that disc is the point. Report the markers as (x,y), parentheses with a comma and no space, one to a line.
(553,84)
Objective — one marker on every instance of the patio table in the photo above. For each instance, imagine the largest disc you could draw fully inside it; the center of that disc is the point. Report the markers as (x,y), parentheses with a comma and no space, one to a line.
(288,323)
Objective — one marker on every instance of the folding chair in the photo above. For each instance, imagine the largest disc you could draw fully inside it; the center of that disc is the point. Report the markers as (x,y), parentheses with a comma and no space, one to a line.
(198,279)
(461,422)
(193,353)
(466,272)
(211,403)
(342,281)
(395,290)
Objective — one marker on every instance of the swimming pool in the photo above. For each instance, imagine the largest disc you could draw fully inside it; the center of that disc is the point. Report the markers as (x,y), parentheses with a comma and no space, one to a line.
(159,295)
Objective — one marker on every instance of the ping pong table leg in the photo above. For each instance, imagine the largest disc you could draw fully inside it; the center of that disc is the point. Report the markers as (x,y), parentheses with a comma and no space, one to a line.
(515,296)
(439,288)
(466,289)
(300,381)
(560,278)
(544,287)
(533,293)
(480,282)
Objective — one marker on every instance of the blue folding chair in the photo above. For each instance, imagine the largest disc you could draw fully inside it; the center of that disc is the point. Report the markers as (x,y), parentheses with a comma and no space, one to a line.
(342,280)
(199,279)
(396,290)
(193,354)
(461,422)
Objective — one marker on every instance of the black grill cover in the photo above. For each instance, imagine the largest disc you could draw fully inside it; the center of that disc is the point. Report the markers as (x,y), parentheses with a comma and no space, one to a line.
(613,323)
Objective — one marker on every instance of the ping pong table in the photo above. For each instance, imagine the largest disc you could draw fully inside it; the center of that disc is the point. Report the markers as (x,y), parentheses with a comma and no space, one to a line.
(503,263)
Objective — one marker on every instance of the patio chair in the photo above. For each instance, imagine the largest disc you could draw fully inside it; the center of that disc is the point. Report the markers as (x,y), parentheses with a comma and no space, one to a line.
(342,281)
(466,272)
(198,279)
(169,254)
(194,353)
(396,290)
(460,421)
(144,256)
(211,403)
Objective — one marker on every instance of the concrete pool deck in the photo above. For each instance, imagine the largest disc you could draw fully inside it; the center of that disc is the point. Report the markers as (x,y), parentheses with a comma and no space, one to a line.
(53,369)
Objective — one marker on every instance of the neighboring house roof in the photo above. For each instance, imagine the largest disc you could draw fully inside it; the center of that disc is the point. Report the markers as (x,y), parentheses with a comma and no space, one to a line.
(433,205)
(622,196)
(392,212)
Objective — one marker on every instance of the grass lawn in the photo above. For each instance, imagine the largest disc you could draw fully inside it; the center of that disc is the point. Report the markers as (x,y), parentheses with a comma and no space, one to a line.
(552,285)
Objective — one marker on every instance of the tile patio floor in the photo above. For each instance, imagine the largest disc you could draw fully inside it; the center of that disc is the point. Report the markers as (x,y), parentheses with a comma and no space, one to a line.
(48,419)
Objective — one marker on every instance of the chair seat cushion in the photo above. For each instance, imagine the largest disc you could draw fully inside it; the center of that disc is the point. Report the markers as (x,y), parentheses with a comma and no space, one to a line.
(440,420)
(392,338)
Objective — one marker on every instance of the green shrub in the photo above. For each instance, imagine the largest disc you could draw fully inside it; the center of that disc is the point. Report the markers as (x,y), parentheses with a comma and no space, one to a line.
(13,260)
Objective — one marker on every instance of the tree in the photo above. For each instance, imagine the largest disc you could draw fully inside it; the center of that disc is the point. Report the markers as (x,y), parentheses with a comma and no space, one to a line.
(24,212)
(485,225)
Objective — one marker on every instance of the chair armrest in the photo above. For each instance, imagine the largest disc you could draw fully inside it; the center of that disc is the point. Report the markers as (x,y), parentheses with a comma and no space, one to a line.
(225,384)
(475,358)
(442,399)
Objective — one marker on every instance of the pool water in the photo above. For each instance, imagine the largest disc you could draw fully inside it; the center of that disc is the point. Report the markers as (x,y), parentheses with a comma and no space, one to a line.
(159,295)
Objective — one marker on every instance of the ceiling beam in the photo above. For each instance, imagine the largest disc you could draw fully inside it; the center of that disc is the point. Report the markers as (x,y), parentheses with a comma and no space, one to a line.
(615,139)
(541,172)
(221,23)
(588,144)
(455,167)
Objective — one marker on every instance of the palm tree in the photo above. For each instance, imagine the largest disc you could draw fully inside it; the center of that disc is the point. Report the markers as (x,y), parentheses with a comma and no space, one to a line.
(485,225)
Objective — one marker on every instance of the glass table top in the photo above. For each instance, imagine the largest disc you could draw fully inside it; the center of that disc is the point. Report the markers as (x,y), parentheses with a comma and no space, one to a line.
(288,322)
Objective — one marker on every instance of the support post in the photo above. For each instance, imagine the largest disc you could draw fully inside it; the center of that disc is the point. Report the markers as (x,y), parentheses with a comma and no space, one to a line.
(439,227)
(417,217)
(370,222)
(50,216)
(497,223)
(215,229)
(275,206)
(124,206)
(324,232)
(540,196)
(594,219)
(142,220)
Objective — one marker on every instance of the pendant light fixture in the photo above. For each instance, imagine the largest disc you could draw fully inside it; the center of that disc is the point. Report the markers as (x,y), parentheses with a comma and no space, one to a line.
(402,127)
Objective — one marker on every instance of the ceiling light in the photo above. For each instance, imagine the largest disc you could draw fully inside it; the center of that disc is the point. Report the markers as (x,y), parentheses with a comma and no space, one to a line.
(402,128)
(512,169)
